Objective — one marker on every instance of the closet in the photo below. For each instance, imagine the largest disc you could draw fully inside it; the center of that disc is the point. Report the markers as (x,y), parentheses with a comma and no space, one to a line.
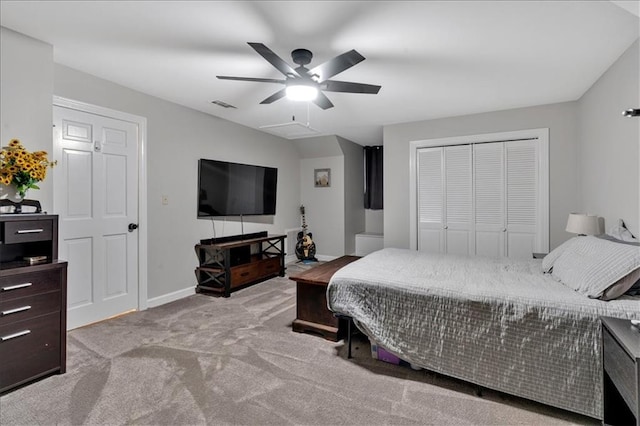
(485,199)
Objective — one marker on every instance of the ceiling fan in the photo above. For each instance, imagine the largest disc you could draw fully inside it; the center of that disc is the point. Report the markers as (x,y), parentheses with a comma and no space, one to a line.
(306,84)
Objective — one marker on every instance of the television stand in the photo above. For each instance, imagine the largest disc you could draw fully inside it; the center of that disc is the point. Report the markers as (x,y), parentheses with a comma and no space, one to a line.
(231,263)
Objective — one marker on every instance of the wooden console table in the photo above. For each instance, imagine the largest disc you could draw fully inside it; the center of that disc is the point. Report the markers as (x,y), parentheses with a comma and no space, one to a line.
(231,263)
(311,300)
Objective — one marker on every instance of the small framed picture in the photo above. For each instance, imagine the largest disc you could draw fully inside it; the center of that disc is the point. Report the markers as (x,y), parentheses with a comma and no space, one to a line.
(322,178)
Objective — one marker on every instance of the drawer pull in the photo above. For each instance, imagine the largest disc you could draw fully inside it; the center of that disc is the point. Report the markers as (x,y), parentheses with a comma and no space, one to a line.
(14,335)
(244,274)
(17,286)
(30,231)
(16,310)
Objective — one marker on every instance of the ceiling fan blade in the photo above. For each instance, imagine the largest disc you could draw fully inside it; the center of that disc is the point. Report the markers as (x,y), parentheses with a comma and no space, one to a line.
(260,80)
(274,59)
(278,95)
(322,101)
(336,65)
(346,86)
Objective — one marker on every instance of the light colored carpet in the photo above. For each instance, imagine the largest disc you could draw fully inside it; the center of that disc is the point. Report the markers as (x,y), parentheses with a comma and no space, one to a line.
(209,360)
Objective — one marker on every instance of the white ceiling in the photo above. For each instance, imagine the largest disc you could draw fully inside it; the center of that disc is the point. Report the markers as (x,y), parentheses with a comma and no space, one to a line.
(432,58)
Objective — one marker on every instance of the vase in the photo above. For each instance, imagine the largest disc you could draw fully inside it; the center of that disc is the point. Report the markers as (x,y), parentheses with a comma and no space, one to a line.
(11,193)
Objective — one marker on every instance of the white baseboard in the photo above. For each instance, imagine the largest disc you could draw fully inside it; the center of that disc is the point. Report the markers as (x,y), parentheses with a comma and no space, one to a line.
(171,297)
(293,259)
(325,258)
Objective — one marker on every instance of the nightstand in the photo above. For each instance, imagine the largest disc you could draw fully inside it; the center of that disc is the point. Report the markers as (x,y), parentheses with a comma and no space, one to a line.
(621,372)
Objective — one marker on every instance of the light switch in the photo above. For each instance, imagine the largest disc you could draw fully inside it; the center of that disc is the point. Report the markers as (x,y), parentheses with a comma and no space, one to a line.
(165,200)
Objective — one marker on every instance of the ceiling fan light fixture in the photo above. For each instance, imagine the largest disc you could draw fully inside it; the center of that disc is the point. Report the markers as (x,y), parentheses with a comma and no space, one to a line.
(301,92)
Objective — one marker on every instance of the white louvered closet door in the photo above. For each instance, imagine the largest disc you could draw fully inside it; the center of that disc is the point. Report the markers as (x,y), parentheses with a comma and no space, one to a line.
(430,200)
(489,187)
(522,202)
(458,195)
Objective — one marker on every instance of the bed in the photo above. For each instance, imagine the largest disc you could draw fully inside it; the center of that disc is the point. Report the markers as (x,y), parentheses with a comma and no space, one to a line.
(510,325)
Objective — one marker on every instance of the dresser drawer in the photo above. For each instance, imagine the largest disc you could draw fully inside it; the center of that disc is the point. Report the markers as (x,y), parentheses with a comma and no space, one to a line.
(29,349)
(29,283)
(243,274)
(24,308)
(269,266)
(27,231)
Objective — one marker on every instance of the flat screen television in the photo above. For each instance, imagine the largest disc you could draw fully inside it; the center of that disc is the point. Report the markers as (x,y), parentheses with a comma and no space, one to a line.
(233,189)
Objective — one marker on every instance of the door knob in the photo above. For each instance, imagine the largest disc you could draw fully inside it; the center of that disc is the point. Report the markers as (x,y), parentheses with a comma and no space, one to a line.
(133,227)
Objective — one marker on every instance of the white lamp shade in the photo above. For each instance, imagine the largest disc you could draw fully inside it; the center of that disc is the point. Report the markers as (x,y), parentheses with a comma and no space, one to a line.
(583,224)
(301,92)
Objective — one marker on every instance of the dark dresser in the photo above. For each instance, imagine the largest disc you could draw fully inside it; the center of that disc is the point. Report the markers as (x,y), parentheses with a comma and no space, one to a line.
(33,300)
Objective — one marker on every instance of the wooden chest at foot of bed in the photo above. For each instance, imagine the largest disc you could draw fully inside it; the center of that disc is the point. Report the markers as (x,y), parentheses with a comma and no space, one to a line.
(312,314)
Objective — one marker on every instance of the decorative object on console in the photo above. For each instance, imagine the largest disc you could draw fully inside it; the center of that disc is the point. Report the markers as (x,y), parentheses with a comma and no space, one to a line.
(583,224)
(21,170)
(305,247)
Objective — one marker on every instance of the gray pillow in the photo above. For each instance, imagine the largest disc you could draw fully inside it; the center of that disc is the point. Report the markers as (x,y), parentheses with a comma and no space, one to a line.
(616,240)
(622,286)
(591,265)
(634,290)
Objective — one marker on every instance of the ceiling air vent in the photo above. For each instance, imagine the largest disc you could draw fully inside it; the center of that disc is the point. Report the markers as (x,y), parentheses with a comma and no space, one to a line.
(223,104)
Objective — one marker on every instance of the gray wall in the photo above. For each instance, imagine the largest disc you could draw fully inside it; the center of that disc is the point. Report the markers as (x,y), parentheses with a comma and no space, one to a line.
(26,88)
(564,191)
(374,221)
(324,206)
(354,217)
(609,144)
(177,137)
(334,214)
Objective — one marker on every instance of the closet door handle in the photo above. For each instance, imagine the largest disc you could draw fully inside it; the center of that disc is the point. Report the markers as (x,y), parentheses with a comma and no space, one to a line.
(446,227)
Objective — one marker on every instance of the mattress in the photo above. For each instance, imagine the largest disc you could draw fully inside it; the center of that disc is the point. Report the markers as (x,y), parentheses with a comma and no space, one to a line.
(498,323)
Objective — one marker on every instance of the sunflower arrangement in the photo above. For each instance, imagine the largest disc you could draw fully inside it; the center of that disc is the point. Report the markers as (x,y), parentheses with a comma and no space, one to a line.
(22,168)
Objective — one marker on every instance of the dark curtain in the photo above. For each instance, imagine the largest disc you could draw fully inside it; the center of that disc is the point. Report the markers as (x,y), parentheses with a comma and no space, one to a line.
(373,195)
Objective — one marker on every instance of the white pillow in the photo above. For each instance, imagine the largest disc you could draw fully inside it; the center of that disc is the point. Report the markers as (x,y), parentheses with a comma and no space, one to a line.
(591,265)
(621,232)
(549,260)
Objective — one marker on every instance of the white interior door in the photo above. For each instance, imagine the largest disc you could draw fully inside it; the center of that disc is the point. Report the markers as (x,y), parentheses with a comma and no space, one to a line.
(522,198)
(508,183)
(459,236)
(489,187)
(430,200)
(96,198)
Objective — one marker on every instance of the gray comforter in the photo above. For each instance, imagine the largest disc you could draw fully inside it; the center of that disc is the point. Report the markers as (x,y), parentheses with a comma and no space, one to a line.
(498,323)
